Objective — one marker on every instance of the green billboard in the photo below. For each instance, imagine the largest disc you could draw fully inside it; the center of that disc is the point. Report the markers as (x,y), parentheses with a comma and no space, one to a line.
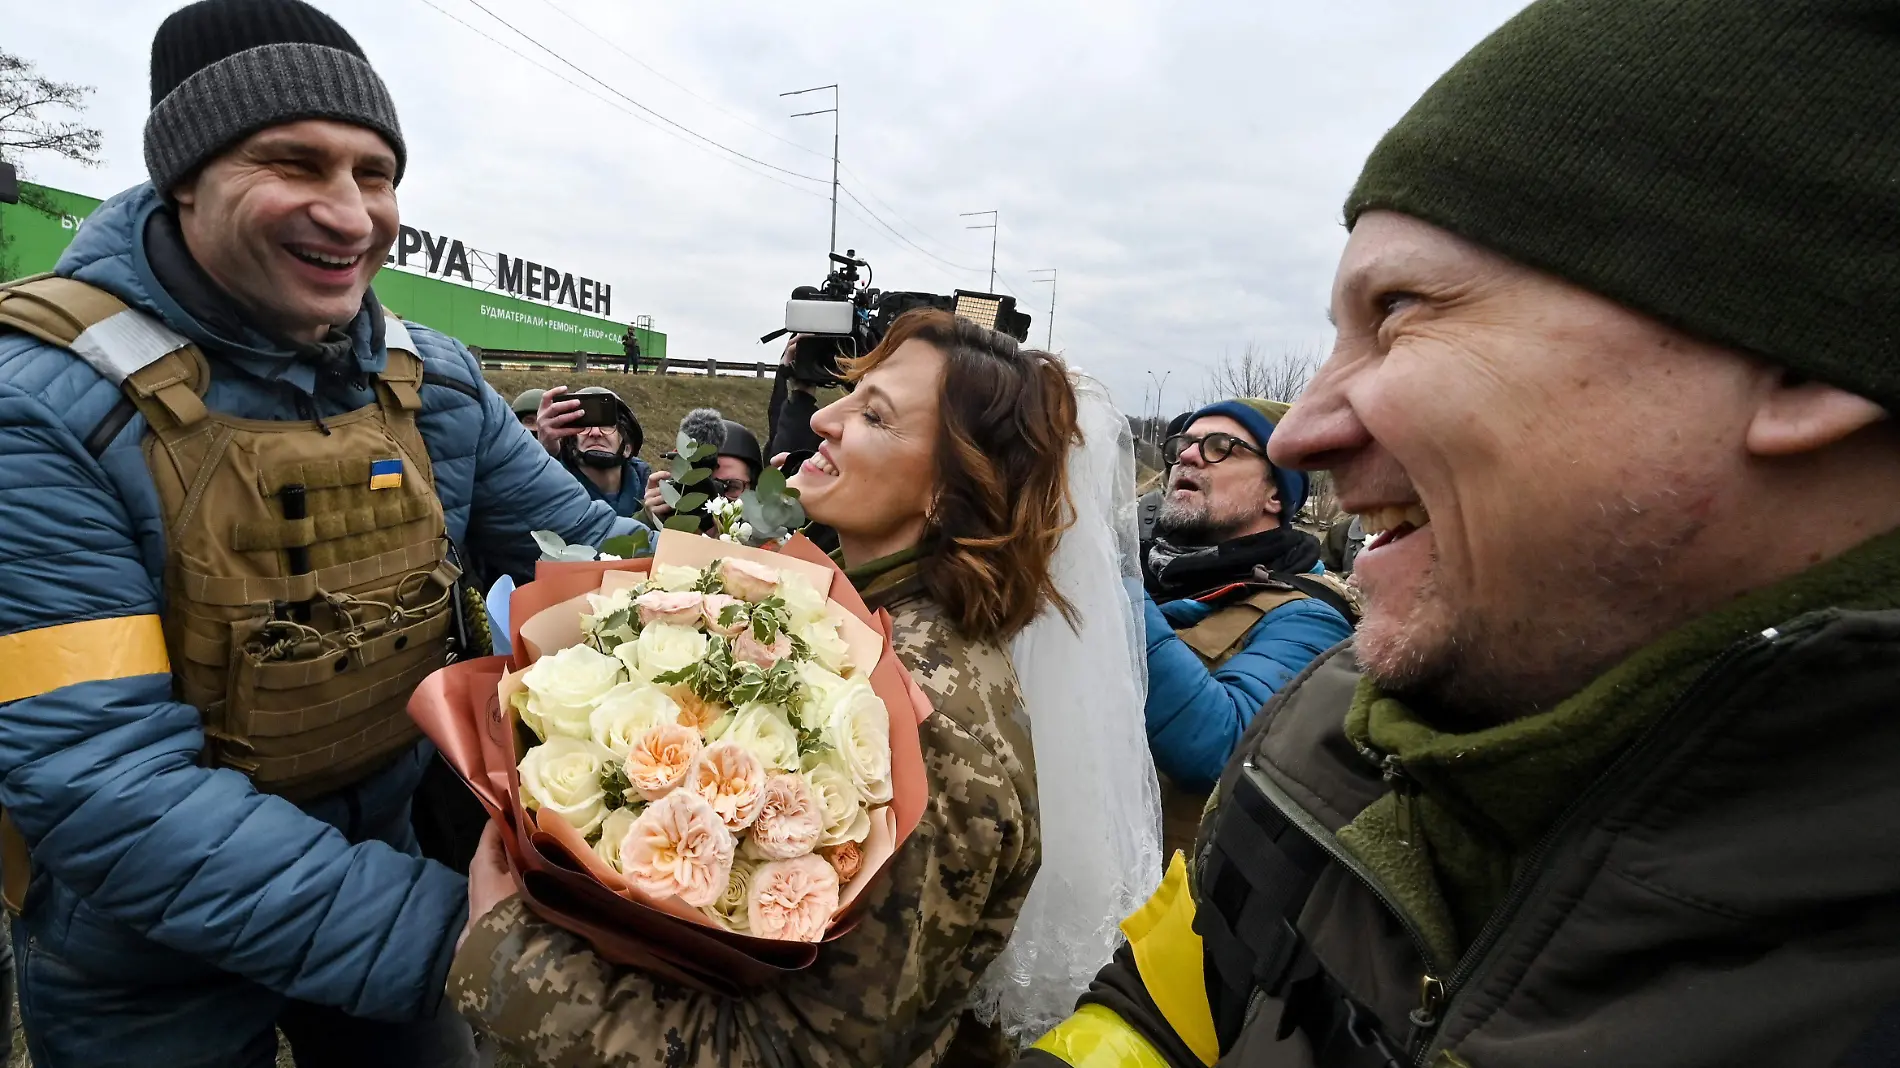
(34,232)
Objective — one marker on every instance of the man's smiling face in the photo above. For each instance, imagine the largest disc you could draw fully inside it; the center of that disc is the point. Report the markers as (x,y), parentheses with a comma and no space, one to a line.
(293,222)
(1533,464)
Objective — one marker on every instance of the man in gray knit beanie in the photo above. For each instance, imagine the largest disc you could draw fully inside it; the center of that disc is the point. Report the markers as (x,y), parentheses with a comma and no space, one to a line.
(260,110)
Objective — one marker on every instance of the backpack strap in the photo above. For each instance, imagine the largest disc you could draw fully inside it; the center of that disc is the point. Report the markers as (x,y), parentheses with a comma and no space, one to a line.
(1326,588)
(89,322)
(157,366)
(401,377)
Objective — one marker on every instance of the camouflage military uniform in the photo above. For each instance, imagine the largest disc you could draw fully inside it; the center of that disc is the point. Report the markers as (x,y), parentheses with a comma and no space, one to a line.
(890,992)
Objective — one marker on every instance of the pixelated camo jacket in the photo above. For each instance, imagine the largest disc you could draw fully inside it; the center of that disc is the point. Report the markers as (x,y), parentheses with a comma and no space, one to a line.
(888,993)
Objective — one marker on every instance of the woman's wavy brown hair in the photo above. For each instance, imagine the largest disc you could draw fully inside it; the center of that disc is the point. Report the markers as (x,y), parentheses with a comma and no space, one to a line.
(1008,418)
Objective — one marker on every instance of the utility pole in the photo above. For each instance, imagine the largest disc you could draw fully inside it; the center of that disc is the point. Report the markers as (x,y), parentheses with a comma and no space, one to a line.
(833,112)
(1161,389)
(991,227)
(1049,345)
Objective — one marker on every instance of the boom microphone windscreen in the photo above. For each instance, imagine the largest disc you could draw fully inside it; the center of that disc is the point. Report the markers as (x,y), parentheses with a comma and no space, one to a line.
(706,426)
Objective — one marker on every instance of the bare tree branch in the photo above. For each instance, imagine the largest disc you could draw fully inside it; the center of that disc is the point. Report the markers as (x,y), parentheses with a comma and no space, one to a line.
(26,98)
(1255,374)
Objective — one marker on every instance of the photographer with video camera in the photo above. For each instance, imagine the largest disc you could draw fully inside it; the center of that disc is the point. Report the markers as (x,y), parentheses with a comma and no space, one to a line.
(597,438)
(843,318)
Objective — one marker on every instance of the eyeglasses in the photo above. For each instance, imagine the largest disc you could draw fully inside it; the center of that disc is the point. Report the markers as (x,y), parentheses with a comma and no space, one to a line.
(727,487)
(1215,447)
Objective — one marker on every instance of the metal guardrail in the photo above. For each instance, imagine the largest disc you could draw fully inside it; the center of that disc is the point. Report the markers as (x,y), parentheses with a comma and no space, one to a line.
(510,360)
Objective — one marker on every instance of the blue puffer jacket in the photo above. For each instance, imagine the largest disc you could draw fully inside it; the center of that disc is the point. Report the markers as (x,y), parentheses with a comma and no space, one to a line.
(146,866)
(1196,716)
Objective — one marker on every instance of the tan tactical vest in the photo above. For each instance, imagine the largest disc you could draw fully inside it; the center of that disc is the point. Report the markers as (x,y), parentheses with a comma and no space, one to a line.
(308,583)
(1215,640)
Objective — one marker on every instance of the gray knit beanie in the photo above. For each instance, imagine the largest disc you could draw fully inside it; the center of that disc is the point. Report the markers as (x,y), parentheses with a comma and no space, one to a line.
(225,69)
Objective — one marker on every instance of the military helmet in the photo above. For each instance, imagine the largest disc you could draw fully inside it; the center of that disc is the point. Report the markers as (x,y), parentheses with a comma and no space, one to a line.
(528,401)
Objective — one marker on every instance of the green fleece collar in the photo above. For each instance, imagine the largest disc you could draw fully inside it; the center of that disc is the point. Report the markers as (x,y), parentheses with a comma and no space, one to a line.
(1484,797)
(884,573)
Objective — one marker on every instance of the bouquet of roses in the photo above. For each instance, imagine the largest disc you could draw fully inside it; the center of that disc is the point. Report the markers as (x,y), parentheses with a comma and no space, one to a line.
(719,736)
(713,741)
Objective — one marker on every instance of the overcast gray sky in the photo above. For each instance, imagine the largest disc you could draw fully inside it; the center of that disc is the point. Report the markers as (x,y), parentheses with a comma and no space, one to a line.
(1181,164)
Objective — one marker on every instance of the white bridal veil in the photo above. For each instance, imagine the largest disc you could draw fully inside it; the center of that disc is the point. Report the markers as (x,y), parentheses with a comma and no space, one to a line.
(1084,691)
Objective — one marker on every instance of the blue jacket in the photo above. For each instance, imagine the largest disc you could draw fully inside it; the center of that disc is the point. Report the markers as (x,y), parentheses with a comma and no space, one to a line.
(632,498)
(146,866)
(1196,716)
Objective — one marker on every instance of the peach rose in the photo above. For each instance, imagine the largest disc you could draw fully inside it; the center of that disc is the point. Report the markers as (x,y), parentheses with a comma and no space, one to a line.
(715,607)
(746,647)
(679,848)
(678,609)
(698,712)
(793,899)
(748,581)
(731,780)
(846,859)
(789,822)
(660,759)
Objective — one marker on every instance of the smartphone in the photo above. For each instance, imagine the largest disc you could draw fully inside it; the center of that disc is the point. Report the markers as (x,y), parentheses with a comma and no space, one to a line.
(598,409)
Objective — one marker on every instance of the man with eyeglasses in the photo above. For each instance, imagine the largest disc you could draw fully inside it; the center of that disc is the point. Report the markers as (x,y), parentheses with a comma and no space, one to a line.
(736,469)
(1234,604)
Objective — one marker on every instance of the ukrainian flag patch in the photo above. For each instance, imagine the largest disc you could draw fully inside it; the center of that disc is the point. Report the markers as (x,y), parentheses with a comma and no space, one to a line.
(385,474)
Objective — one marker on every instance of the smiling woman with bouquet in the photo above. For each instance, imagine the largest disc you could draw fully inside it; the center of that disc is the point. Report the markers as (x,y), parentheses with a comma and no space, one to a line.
(947,474)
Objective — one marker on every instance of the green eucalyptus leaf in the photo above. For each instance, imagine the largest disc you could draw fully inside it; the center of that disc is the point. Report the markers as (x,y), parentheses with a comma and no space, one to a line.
(771,482)
(552,544)
(628,546)
(694,476)
(684,445)
(688,524)
(690,502)
(671,494)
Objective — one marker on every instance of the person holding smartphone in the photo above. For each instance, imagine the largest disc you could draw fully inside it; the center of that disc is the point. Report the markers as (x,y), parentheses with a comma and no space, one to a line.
(596,437)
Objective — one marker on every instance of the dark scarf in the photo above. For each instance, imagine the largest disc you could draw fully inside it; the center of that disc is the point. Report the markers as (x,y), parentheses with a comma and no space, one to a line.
(334,357)
(1172,572)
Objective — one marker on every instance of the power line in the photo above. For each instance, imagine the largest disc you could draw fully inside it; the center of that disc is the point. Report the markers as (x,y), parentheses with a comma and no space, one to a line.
(571,83)
(899,235)
(866,186)
(715,105)
(689,131)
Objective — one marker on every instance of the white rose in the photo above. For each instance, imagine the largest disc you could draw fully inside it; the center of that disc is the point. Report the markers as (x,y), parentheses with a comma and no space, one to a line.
(563,689)
(627,712)
(846,819)
(662,648)
(767,733)
(827,647)
(605,604)
(562,776)
(818,685)
(613,831)
(673,578)
(858,726)
(802,599)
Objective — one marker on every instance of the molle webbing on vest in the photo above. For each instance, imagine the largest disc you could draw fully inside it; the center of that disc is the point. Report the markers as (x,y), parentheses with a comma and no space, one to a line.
(302,636)
(298,637)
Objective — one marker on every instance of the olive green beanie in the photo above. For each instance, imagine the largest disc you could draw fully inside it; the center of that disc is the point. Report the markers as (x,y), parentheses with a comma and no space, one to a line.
(1730,167)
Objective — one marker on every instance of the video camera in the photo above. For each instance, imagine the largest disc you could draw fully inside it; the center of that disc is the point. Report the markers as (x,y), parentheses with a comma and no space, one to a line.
(847,317)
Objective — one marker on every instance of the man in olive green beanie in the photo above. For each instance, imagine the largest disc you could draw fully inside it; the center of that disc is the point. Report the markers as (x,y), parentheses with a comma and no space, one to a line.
(1608,774)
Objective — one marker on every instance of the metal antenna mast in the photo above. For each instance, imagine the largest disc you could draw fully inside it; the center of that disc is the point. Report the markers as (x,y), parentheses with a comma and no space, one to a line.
(833,112)
(991,227)
(1050,344)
